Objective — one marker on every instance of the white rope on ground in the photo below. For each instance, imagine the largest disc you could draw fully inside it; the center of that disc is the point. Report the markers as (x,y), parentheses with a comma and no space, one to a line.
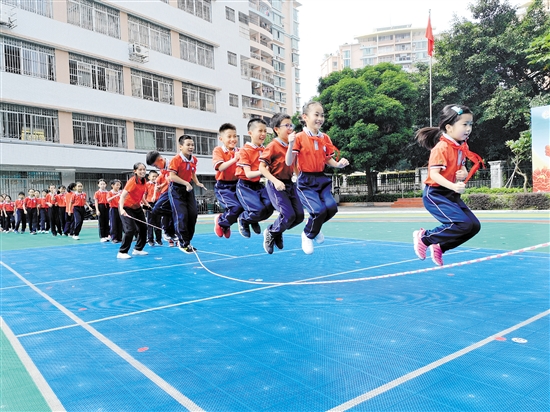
(410,272)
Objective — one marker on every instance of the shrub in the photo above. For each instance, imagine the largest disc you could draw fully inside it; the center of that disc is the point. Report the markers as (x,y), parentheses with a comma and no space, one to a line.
(478,201)
(537,201)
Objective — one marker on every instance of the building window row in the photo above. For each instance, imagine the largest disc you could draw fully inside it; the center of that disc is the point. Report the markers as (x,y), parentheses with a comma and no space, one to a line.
(205,142)
(99,131)
(197,97)
(28,123)
(149,86)
(149,35)
(28,59)
(94,16)
(153,137)
(42,7)
(199,8)
(95,74)
(195,51)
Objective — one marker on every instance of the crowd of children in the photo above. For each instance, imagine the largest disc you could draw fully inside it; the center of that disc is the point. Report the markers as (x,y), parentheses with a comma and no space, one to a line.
(167,193)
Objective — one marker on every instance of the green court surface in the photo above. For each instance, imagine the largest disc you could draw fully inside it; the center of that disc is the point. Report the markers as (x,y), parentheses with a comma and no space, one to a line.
(503,230)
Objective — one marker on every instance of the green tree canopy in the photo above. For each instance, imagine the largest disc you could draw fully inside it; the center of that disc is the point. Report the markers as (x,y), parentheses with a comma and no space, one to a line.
(369,115)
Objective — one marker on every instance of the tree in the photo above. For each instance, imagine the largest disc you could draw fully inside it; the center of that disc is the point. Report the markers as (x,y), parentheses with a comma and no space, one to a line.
(491,65)
(521,151)
(369,115)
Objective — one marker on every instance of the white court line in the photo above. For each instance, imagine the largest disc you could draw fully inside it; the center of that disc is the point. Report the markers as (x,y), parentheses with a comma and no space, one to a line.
(49,396)
(414,374)
(152,376)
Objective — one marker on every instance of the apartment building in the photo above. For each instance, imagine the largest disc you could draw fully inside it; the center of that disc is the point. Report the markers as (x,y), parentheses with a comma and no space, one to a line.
(88,87)
(403,45)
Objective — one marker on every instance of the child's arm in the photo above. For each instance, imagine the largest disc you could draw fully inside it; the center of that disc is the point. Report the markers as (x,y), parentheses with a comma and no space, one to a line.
(230,162)
(196,180)
(458,187)
(267,174)
(290,157)
(251,174)
(70,206)
(176,179)
(121,210)
(112,197)
(340,164)
(461,174)
(96,206)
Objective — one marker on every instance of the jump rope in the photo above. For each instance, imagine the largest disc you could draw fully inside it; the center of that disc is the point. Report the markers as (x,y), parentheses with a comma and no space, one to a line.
(363,279)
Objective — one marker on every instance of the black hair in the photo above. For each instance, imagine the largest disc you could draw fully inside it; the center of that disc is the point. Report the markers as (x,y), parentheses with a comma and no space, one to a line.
(183,138)
(62,187)
(153,171)
(306,108)
(101,180)
(71,187)
(227,126)
(278,119)
(428,137)
(7,196)
(152,157)
(21,193)
(252,123)
(113,181)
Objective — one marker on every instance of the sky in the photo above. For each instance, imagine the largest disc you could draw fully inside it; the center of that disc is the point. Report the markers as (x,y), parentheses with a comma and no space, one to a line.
(326,24)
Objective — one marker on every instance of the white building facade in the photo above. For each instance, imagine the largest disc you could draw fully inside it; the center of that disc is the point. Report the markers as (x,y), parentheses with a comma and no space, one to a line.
(89,87)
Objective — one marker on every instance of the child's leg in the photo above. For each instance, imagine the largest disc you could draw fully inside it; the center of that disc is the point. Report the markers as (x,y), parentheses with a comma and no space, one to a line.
(130,229)
(252,201)
(179,200)
(149,216)
(457,224)
(312,190)
(103,221)
(78,219)
(226,193)
(141,228)
(62,219)
(283,203)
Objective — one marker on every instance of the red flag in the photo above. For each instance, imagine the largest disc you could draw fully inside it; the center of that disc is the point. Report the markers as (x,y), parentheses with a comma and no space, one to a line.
(430,37)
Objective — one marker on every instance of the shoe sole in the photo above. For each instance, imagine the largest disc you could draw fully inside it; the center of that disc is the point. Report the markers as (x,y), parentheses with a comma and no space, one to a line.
(415,245)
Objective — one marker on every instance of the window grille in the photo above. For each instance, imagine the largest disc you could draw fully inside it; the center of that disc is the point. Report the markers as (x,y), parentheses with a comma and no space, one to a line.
(205,142)
(195,51)
(42,7)
(99,131)
(94,16)
(27,59)
(199,8)
(232,58)
(233,100)
(200,98)
(149,86)
(152,137)
(28,123)
(95,74)
(149,35)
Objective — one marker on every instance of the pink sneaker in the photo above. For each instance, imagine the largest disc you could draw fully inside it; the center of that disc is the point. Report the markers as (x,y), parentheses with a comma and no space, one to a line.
(218,230)
(437,254)
(419,246)
(227,233)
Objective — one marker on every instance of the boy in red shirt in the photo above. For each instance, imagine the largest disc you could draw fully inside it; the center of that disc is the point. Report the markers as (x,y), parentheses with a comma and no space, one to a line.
(182,198)
(9,207)
(225,159)
(251,193)
(76,206)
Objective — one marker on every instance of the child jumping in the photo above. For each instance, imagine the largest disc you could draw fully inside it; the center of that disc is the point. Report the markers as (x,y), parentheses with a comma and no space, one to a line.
(312,150)
(280,187)
(224,159)
(447,177)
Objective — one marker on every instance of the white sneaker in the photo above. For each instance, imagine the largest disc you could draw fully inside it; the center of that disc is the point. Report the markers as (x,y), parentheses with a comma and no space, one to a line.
(307,244)
(75,237)
(103,240)
(123,256)
(320,238)
(139,252)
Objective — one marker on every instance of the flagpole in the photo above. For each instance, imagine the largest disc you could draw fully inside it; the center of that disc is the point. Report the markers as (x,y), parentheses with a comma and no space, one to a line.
(431,121)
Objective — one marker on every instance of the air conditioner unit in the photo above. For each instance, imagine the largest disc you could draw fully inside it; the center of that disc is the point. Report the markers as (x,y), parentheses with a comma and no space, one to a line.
(7,17)
(256,84)
(138,53)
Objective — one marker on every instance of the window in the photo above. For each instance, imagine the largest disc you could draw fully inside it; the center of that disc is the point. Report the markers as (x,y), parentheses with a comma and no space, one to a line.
(295,14)
(279,81)
(26,59)
(152,137)
(385,38)
(243,18)
(152,87)
(94,16)
(149,35)
(295,58)
(199,8)
(295,29)
(278,50)
(278,66)
(295,44)
(197,52)
(297,72)
(347,54)
(229,14)
(231,58)
(277,35)
(200,98)
(277,4)
(297,87)
(347,63)
(28,123)
(205,142)
(95,74)
(99,131)
(420,45)
(233,100)
(278,20)
(42,7)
